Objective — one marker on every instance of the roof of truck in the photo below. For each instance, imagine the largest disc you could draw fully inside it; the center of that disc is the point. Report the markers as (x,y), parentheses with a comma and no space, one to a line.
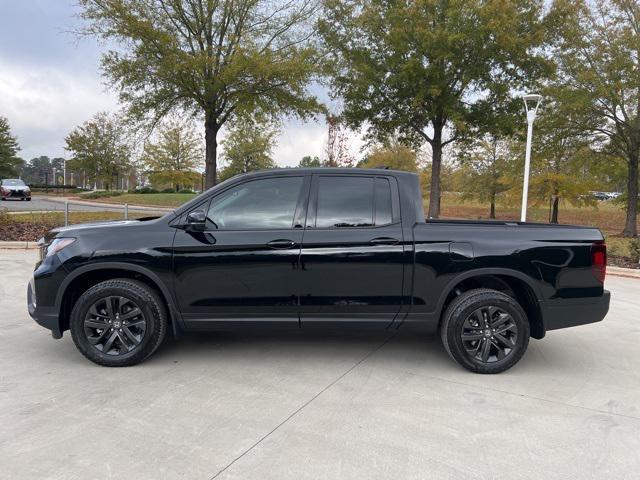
(340,170)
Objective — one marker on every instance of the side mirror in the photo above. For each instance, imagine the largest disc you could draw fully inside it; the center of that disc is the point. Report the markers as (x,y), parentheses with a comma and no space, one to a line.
(196,221)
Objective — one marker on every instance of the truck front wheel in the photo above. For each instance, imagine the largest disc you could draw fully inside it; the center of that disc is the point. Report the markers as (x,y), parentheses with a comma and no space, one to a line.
(485,331)
(118,322)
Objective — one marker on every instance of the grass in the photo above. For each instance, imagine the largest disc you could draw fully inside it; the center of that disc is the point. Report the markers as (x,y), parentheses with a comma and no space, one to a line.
(57,218)
(607,216)
(150,199)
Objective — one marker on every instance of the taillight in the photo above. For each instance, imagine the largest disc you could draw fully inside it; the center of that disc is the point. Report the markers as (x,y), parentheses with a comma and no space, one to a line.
(599,260)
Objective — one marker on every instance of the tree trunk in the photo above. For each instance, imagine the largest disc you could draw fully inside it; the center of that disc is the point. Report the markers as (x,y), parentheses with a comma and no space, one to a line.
(492,209)
(436,164)
(631,224)
(211,141)
(554,208)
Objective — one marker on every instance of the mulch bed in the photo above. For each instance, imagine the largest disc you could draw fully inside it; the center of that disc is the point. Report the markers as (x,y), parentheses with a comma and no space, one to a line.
(624,262)
(23,232)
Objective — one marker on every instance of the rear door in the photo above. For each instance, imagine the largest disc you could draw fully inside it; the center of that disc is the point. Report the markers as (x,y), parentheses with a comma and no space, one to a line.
(352,250)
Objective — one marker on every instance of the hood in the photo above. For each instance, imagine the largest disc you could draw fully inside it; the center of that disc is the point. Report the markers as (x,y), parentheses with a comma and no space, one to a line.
(72,229)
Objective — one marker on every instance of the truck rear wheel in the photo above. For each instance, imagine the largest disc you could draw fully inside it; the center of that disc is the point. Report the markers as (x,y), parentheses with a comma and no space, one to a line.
(485,331)
(118,323)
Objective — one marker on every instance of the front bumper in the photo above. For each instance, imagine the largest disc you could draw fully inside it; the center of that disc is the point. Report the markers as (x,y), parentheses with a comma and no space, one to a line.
(572,312)
(46,317)
(16,194)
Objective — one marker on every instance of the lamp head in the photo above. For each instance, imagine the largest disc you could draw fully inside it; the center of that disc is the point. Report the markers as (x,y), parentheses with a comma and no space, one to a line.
(531,104)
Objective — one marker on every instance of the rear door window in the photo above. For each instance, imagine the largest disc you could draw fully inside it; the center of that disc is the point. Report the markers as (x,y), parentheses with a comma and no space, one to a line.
(345,202)
(382,207)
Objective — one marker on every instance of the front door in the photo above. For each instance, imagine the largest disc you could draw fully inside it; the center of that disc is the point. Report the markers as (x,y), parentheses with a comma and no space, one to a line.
(352,251)
(244,266)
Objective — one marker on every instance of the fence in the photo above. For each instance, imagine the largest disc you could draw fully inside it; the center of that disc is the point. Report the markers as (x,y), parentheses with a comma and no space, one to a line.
(82,211)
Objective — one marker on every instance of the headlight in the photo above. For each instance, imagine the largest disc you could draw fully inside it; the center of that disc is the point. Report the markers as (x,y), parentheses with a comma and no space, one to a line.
(58,244)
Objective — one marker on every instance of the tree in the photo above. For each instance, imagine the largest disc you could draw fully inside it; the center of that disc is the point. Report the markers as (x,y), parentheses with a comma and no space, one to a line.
(486,168)
(41,169)
(427,69)
(310,162)
(393,155)
(216,59)
(175,156)
(561,166)
(9,148)
(336,149)
(248,146)
(598,51)
(101,148)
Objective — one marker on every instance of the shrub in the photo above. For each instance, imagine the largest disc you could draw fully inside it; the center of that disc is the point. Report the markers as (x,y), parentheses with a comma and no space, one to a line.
(145,190)
(634,250)
(101,194)
(168,190)
(186,190)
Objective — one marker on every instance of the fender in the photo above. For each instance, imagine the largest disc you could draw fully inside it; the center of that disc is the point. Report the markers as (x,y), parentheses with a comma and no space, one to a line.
(483,272)
(166,292)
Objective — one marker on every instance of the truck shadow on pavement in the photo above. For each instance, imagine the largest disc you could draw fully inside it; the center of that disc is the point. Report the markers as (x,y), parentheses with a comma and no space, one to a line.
(403,350)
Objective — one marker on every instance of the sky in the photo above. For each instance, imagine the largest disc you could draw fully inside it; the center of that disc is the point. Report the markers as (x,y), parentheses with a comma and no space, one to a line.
(50,82)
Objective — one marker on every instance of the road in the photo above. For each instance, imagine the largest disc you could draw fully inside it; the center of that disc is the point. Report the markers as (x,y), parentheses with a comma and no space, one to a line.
(318,406)
(43,203)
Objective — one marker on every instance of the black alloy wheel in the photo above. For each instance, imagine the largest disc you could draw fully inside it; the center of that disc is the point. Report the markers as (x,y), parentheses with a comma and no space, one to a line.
(115,325)
(118,323)
(489,334)
(485,331)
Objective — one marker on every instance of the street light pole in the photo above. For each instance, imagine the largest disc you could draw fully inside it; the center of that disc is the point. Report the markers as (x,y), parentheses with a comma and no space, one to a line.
(533,100)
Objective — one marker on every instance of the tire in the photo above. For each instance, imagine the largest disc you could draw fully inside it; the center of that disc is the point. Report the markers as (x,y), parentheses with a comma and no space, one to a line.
(29,199)
(467,330)
(125,344)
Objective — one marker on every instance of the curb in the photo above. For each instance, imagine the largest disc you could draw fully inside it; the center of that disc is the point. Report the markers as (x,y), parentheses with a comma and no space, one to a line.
(21,245)
(623,272)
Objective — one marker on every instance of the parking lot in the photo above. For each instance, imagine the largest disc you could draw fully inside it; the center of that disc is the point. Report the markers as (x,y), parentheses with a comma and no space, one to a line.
(321,406)
(46,204)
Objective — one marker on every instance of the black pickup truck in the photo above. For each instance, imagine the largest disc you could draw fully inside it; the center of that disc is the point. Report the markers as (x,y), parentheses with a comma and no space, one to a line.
(295,248)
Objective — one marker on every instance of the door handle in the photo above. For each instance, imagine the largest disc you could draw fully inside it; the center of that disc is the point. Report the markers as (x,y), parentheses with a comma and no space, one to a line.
(384,241)
(281,244)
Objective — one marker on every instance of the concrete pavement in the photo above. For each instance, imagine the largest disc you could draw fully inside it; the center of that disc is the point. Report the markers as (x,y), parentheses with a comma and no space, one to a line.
(318,406)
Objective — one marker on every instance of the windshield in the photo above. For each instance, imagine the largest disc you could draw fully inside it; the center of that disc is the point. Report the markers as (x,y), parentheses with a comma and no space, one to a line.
(13,182)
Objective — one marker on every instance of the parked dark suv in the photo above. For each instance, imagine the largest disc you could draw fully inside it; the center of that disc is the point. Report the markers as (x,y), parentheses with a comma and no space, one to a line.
(300,247)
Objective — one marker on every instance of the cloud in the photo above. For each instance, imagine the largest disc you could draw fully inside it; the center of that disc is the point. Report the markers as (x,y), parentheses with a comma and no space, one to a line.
(44,103)
(50,83)
(299,139)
